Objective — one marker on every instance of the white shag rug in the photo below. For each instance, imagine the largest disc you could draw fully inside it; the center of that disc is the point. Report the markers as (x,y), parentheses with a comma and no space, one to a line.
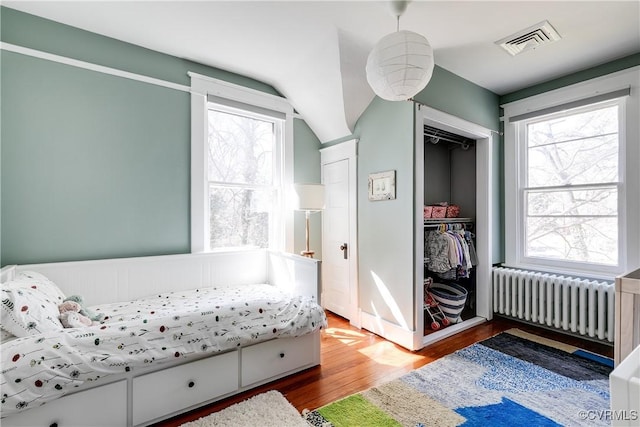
(270,409)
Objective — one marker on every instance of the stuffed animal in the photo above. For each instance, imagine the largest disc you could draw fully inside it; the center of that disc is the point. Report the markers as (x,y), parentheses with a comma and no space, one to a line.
(83,310)
(73,319)
(70,316)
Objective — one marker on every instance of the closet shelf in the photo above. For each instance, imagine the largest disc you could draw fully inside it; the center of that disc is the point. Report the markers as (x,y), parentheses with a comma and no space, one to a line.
(432,221)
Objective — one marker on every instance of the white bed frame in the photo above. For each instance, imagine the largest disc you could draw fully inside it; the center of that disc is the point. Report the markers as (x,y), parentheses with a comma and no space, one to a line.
(146,397)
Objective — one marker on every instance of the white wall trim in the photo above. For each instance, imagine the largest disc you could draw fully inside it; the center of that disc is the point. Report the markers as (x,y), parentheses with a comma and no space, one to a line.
(206,85)
(390,331)
(92,67)
(574,92)
(199,227)
(448,122)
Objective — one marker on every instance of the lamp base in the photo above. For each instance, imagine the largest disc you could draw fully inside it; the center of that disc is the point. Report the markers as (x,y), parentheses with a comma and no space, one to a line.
(308,254)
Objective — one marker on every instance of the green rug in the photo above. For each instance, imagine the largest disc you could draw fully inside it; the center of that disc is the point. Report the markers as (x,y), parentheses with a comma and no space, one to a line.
(511,379)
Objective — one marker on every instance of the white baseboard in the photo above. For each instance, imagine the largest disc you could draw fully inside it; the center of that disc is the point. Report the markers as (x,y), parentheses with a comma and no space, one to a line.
(388,330)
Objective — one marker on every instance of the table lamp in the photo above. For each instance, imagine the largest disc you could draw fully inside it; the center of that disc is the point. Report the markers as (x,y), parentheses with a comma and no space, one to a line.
(308,198)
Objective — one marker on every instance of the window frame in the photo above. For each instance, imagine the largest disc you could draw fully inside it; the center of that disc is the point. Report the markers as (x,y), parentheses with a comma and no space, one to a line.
(281,236)
(628,177)
(525,187)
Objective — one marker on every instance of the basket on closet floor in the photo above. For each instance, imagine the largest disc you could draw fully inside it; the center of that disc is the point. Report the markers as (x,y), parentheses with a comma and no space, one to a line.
(451,298)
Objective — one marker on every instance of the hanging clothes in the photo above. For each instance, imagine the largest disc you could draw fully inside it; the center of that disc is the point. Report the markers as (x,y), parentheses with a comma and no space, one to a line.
(436,250)
(473,255)
(450,252)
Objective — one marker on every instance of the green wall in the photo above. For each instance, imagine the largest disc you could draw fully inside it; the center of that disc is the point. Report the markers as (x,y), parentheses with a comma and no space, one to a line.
(385,228)
(459,97)
(591,73)
(94,165)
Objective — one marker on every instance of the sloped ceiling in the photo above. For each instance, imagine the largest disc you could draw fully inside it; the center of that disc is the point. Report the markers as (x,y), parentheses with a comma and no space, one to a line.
(313,52)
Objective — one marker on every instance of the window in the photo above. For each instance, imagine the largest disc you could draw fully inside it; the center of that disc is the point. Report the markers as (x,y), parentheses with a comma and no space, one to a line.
(572,177)
(571,185)
(243,178)
(241,160)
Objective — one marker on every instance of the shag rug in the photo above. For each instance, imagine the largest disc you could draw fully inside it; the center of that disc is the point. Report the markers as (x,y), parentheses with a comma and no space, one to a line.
(511,379)
(270,409)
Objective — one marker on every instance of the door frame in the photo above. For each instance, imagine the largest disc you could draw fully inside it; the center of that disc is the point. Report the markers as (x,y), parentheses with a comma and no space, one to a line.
(485,140)
(347,150)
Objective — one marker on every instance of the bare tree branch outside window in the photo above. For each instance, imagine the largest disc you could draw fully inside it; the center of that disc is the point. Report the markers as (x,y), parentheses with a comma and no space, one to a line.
(240,170)
(571,195)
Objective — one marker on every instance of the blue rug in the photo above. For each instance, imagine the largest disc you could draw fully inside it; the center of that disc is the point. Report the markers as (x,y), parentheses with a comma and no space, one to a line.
(511,379)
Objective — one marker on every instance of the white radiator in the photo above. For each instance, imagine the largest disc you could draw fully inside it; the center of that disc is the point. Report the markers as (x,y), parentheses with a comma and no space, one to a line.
(581,306)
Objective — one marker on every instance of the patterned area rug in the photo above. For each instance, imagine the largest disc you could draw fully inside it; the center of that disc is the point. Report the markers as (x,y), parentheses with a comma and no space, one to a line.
(514,378)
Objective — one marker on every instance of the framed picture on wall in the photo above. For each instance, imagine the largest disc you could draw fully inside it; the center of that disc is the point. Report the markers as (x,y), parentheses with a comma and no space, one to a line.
(382,185)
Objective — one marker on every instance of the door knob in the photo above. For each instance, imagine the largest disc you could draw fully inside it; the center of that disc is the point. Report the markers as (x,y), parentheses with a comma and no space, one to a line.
(343,248)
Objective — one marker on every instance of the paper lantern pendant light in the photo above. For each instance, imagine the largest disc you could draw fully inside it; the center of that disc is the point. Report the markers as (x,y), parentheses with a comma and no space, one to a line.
(400,65)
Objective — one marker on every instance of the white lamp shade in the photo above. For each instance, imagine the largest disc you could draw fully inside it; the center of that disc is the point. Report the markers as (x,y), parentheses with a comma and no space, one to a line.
(400,65)
(308,197)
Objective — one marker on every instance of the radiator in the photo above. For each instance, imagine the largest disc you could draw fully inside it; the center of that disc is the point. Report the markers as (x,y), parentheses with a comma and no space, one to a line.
(581,306)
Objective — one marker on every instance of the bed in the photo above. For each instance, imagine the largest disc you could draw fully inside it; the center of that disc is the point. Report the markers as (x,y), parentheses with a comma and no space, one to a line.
(173,333)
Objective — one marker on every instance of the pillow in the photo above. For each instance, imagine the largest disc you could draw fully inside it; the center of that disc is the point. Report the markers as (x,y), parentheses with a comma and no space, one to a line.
(37,281)
(27,311)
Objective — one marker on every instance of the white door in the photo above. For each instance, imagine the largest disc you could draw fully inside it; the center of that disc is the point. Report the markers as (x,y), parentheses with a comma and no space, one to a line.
(339,252)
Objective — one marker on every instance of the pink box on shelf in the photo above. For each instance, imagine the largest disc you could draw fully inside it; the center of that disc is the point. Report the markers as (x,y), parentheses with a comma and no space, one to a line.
(439,212)
(427,211)
(453,211)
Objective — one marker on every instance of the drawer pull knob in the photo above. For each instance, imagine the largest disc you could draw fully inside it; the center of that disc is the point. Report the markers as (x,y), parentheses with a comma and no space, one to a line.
(282,355)
(191,384)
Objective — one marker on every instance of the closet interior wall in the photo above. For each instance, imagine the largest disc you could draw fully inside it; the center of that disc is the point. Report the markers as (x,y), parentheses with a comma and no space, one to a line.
(450,176)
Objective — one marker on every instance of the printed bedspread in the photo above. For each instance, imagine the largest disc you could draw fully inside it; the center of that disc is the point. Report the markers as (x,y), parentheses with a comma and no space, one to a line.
(147,332)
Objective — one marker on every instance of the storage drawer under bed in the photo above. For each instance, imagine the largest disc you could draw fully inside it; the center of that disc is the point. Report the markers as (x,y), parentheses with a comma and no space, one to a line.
(271,358)
(161,393)
(100,406)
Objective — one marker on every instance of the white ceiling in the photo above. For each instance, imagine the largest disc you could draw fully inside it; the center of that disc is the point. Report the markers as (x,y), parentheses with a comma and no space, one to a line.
(314,52)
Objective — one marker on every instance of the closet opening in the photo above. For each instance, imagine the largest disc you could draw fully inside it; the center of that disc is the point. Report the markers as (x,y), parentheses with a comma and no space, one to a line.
(453,201)
(449,215)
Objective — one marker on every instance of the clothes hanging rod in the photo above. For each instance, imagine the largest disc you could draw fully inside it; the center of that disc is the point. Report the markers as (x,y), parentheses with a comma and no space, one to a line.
(468,226)
(435,135)
(434,223)
(434,139)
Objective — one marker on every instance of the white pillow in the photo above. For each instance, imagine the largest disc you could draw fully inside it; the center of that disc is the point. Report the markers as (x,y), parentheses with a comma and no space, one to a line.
(28,311)
(34,280)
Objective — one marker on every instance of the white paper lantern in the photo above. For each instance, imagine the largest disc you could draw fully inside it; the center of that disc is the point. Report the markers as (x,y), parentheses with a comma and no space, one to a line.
(400,65)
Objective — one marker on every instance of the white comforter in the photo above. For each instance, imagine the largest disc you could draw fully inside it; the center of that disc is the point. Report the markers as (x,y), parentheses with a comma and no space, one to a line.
(148,332)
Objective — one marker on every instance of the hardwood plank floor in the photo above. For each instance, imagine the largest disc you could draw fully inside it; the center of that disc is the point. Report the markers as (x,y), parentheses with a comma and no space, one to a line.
(354,360)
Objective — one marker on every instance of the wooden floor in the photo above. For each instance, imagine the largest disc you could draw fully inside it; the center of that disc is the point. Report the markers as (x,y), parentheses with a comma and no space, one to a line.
(355,359)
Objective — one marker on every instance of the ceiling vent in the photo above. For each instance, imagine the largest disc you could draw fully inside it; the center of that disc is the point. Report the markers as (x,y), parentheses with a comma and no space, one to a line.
(529,38)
